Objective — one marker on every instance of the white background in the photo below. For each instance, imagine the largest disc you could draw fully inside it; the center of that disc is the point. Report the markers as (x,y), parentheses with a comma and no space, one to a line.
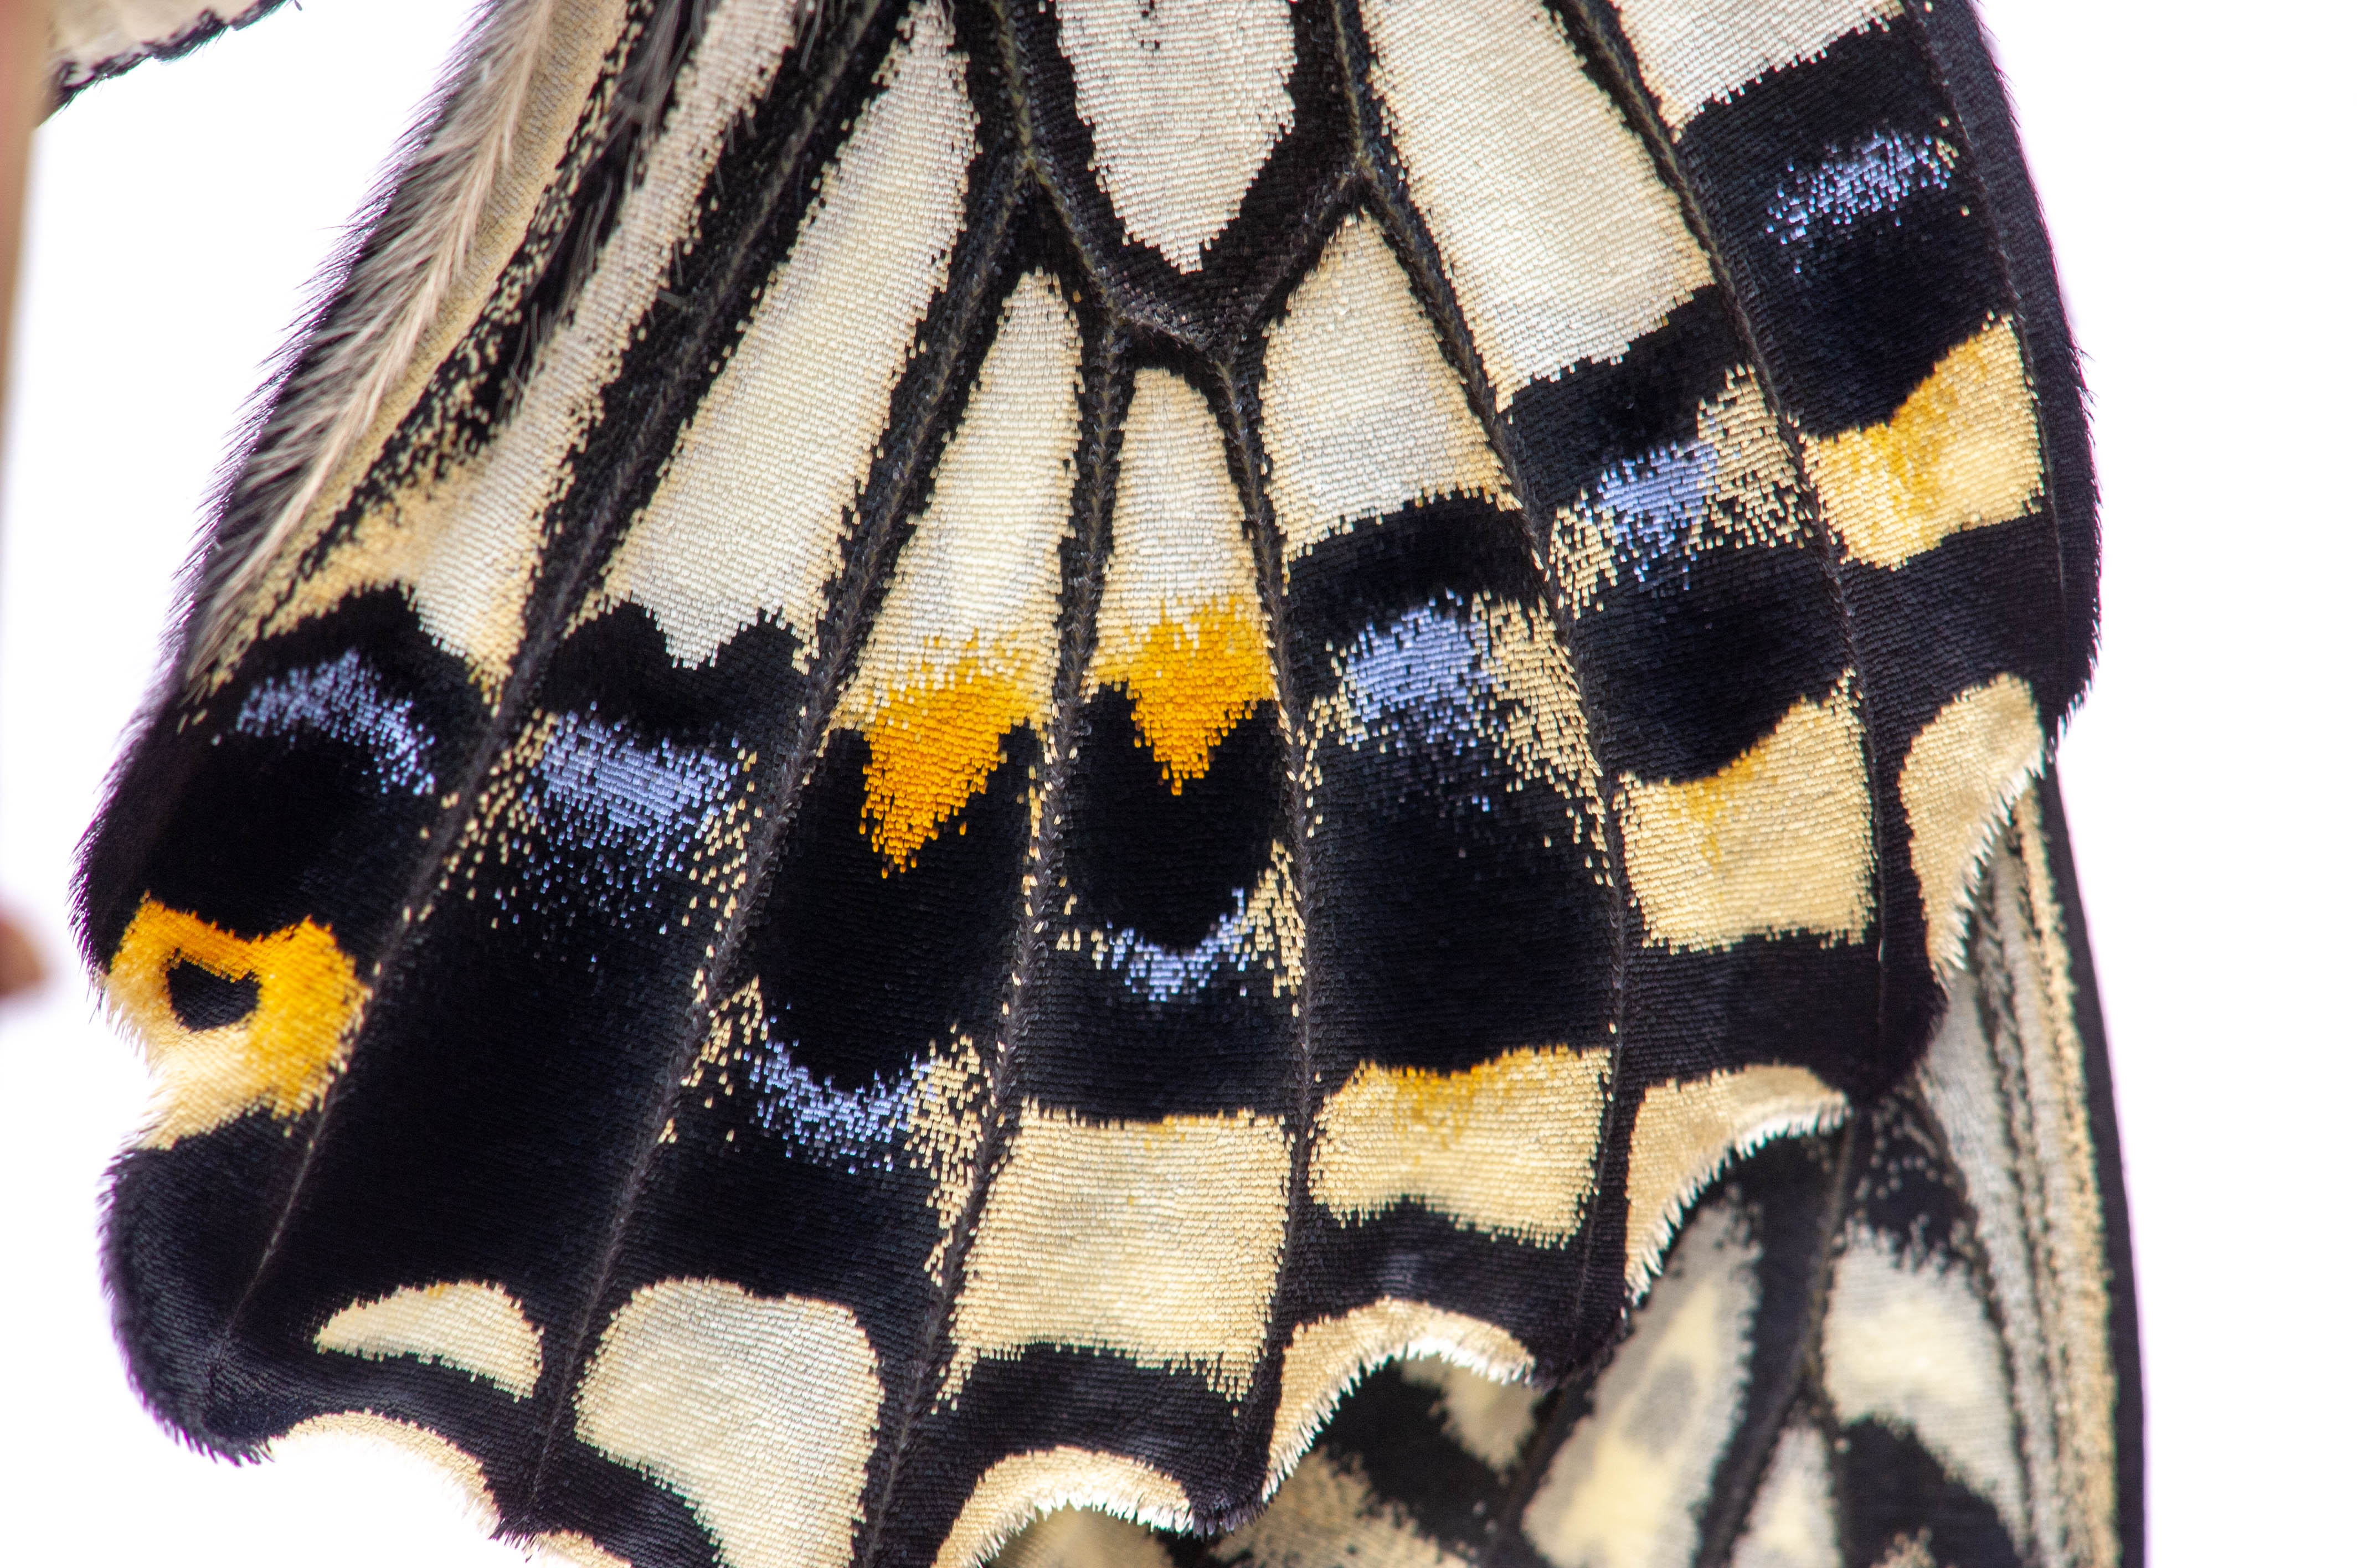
(2193,166)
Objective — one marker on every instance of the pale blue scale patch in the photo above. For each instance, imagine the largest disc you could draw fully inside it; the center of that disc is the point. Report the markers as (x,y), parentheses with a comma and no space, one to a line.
(1423,695)
(619,818)
(344,701)
(1879,176)
(851,1130)
(1653,508)
(1419,678)
(1226,957)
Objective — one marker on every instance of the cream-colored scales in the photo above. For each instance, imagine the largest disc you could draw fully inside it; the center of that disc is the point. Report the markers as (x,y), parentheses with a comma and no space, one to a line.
(1626,1490)
(1963,452)
(1159,1240)
(1964,771)
(1525,707)
(1908,1343)
(2004,1078)
(1029,1486)
(1489,1420)
(465,545)
(1549,272)
(488,169)
(1083,1537)
(1694,53)
(748,521)
(1330,1513)
(1506,1147)
(1184,98)
(1779,841)
(1360,411)
(1733,485)
(964,647)
(1179,625)
(1686,1133)
(458,1473)
(1791,1522)
(477,1328)
(761,1411)
(1328,1357)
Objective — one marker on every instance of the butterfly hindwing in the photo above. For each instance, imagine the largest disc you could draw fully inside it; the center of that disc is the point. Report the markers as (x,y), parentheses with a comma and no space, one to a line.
(1875,1346)
(896,804)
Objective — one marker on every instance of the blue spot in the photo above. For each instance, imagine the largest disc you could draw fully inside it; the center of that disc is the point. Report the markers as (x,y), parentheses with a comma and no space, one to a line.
(850,1130)
(621,818)
(344,701)
(1879,176)
(1165,974)
(624,792)
(1649,506)
(1419,678)
(1419,689)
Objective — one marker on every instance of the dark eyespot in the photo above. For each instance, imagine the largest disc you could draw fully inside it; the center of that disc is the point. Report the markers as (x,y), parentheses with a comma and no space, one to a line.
(203,1000)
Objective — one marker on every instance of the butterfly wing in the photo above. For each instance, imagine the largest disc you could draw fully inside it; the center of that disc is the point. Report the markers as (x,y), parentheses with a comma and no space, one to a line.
(1909,1340)
(896,799)
(90,40)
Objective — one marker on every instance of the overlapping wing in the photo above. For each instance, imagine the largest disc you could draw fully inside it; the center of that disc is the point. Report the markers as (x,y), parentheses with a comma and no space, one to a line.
(1902,1342)
(900,800)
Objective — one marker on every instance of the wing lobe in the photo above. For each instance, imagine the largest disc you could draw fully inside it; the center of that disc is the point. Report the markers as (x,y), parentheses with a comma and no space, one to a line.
(1105,392)
(925,411)
(568,567)
(1612,64)
(923,408)
(1600,1306)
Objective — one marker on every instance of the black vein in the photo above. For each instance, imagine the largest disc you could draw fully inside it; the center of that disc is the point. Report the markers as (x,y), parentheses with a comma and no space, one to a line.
(1238,408)
(1106,387)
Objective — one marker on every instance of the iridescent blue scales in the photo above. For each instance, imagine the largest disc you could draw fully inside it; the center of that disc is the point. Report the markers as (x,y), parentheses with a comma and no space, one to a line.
(946,757)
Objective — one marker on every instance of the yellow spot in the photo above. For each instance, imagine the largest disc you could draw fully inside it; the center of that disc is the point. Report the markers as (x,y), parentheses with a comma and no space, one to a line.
(278,1057)
(1962,452)
(1686,1133)
(931,749)
(1191,680)
(1507,1147)
(1780,840)
(1964,771)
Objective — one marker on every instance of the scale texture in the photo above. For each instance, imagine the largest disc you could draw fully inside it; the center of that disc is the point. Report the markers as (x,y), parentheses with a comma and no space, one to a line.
(1110,782)
(90,40)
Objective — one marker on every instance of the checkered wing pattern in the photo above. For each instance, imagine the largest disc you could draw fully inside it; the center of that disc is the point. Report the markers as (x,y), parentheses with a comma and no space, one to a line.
(1881,1345)
(944,756)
